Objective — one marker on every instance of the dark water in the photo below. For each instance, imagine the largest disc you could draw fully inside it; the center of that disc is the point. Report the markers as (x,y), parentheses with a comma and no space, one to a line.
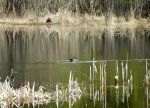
(41,55)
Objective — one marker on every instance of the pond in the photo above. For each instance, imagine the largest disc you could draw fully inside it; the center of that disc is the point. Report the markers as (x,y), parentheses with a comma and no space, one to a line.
(42,55)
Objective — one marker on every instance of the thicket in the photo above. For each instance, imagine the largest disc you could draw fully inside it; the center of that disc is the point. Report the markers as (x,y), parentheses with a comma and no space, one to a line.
(137,8)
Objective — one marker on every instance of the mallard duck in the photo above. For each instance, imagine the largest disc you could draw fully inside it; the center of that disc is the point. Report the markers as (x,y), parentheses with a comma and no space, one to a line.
(72,60)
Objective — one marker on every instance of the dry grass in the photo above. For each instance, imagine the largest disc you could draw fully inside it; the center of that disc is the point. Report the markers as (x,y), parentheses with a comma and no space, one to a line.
(9,96)
(66,18)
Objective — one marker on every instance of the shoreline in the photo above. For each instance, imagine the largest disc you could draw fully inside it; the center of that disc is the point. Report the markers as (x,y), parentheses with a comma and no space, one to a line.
(96,24)
(74,20)
(61,28)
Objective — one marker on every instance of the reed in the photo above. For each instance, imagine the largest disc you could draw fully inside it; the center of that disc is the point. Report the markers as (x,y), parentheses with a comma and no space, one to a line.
(98,93)
(117,76)
(28,95)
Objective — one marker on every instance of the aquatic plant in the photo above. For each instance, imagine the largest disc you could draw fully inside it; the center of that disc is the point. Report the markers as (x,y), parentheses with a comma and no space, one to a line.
(98,93)
(28,95)
(147,82)
(74,90)
(147,75)
(117,76)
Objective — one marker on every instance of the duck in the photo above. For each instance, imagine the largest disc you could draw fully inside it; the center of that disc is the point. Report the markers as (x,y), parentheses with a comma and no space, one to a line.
(72,60)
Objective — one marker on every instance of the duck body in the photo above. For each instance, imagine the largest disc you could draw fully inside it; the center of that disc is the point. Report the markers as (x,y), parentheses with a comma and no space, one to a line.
(72,60)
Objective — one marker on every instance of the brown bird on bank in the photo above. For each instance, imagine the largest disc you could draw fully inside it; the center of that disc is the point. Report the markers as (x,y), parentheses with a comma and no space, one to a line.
(48,20)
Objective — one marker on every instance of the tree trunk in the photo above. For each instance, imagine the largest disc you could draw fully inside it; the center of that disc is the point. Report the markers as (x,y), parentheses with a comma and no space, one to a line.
(9,6)
(16,7)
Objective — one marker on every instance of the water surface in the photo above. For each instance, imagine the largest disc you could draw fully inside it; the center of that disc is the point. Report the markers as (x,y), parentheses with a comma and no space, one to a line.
(41,55)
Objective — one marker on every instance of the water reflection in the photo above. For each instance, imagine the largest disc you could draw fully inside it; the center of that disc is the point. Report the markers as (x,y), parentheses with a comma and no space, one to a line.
(41,44)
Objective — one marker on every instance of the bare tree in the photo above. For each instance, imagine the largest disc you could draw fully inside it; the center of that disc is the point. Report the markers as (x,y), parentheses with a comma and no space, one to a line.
(95,7)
